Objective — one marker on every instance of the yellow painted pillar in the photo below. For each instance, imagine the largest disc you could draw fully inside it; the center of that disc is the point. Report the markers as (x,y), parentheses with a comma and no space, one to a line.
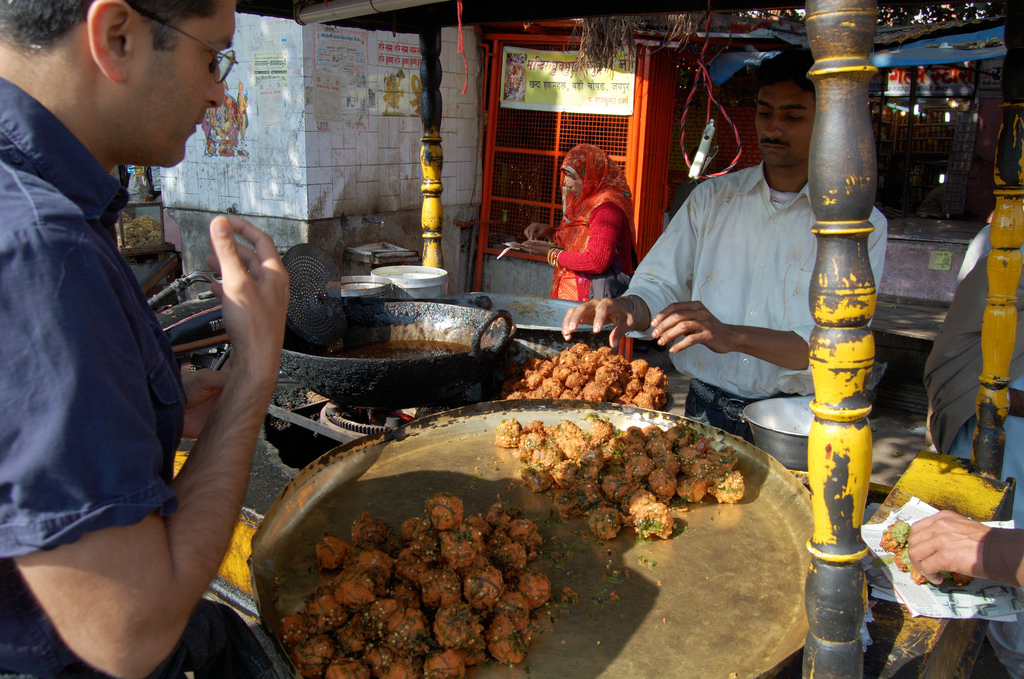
(998,328)
(431,154)
(842,190)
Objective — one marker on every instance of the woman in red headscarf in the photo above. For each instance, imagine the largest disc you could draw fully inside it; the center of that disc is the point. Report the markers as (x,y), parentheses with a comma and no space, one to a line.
(593,248)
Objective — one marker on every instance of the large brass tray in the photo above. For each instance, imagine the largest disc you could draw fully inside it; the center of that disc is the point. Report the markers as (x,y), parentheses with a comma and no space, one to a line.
(726,595)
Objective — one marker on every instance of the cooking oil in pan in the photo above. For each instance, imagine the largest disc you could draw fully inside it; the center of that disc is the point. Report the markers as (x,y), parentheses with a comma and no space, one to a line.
(400,349)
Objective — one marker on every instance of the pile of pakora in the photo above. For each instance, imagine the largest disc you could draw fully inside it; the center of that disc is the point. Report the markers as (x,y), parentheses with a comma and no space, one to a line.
(592,375)
(143,230)
(448,591)
(617,478)
(895,539)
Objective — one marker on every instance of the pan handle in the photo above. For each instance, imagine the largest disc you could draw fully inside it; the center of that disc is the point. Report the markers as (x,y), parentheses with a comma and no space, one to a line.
(507,329)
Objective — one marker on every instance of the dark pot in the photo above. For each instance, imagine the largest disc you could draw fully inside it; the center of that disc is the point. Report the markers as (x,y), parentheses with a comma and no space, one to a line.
(402,382)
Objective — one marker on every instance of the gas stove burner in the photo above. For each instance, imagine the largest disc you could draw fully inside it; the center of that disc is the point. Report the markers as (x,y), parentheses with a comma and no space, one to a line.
(364,421)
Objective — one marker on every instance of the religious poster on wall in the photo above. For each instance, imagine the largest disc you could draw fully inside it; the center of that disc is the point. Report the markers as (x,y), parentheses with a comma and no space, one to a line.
(341,53)
(398,69)
(553,81)
(226,125)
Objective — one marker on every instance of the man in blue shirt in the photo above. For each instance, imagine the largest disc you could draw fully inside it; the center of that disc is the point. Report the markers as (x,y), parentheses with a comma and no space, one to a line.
(104,557)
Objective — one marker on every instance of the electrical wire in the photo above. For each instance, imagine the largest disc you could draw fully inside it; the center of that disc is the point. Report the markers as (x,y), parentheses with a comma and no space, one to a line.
(703,74)
(459,49)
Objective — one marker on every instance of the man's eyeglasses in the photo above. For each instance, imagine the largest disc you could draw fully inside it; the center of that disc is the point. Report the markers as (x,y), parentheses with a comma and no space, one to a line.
(222,61)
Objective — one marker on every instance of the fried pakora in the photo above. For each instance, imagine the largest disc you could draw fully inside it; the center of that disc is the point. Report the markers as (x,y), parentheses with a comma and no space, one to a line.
(444,511)
(323,610)
(331,552)
(447,664)
(508,433)
(312,657)
(346,668)
(456,625)
(619,478)
(508,640)
(355,589)
(483,586)
(604,522)
(593,375)
(536,588)
(424,602)
(895,539)
(369,532)
(441,587)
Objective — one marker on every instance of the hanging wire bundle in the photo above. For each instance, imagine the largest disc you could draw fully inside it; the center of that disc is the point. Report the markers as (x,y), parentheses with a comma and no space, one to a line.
(703,74)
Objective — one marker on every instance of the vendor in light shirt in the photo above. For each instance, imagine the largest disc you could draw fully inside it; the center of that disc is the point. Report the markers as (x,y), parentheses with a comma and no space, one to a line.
(725,288)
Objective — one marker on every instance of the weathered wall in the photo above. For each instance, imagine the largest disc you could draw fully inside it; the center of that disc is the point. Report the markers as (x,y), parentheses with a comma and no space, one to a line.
(320,128)
(254,162)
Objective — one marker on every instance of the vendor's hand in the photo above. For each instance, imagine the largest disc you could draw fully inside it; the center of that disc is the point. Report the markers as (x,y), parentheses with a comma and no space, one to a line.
(692,322)
(254,293)
(948,541)
(626,313)
(538,231)
(201,391)
(537,247)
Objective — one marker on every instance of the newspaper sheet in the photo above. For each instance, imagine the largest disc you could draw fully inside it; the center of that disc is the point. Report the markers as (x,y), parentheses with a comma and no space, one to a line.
(979,598)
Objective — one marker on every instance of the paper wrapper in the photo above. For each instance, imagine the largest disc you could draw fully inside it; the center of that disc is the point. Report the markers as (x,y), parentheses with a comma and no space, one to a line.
(979,598)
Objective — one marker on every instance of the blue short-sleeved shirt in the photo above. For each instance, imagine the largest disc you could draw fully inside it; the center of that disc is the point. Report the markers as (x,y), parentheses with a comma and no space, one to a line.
(91,404)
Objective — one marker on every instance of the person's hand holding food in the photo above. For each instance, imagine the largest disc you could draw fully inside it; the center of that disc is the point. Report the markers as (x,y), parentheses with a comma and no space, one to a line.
(948,541)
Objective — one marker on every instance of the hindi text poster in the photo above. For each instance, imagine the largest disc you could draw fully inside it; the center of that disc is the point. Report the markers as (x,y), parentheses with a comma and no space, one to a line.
(553,81)
(271,102)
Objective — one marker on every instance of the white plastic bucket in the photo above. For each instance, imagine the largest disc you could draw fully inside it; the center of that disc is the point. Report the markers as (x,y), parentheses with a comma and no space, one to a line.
(417,282)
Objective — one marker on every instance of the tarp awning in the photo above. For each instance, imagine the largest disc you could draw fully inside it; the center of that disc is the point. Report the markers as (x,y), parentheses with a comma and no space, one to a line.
(948,49)
(977,46)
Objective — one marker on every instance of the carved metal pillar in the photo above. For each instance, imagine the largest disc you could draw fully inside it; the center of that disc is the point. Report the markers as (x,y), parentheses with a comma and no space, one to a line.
(999,324)
(842,189)
(431,155)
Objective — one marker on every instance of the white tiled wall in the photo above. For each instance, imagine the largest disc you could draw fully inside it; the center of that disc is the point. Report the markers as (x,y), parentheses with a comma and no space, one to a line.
(296,171)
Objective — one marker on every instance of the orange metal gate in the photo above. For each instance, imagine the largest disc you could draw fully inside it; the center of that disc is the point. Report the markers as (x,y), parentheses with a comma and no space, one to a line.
(524,149)
(522,153)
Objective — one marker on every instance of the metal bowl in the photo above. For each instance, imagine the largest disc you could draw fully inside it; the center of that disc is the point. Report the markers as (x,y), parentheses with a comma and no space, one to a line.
(781,427)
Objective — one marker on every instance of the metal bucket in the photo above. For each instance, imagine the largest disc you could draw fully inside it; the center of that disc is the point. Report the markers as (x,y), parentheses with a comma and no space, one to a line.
(781,427)
(360,286)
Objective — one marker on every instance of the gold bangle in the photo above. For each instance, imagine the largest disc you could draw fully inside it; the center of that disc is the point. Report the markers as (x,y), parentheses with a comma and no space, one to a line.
(553,256)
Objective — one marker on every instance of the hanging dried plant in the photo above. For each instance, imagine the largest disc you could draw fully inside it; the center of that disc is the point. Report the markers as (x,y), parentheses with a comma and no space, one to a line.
(603,38)
(679,27)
